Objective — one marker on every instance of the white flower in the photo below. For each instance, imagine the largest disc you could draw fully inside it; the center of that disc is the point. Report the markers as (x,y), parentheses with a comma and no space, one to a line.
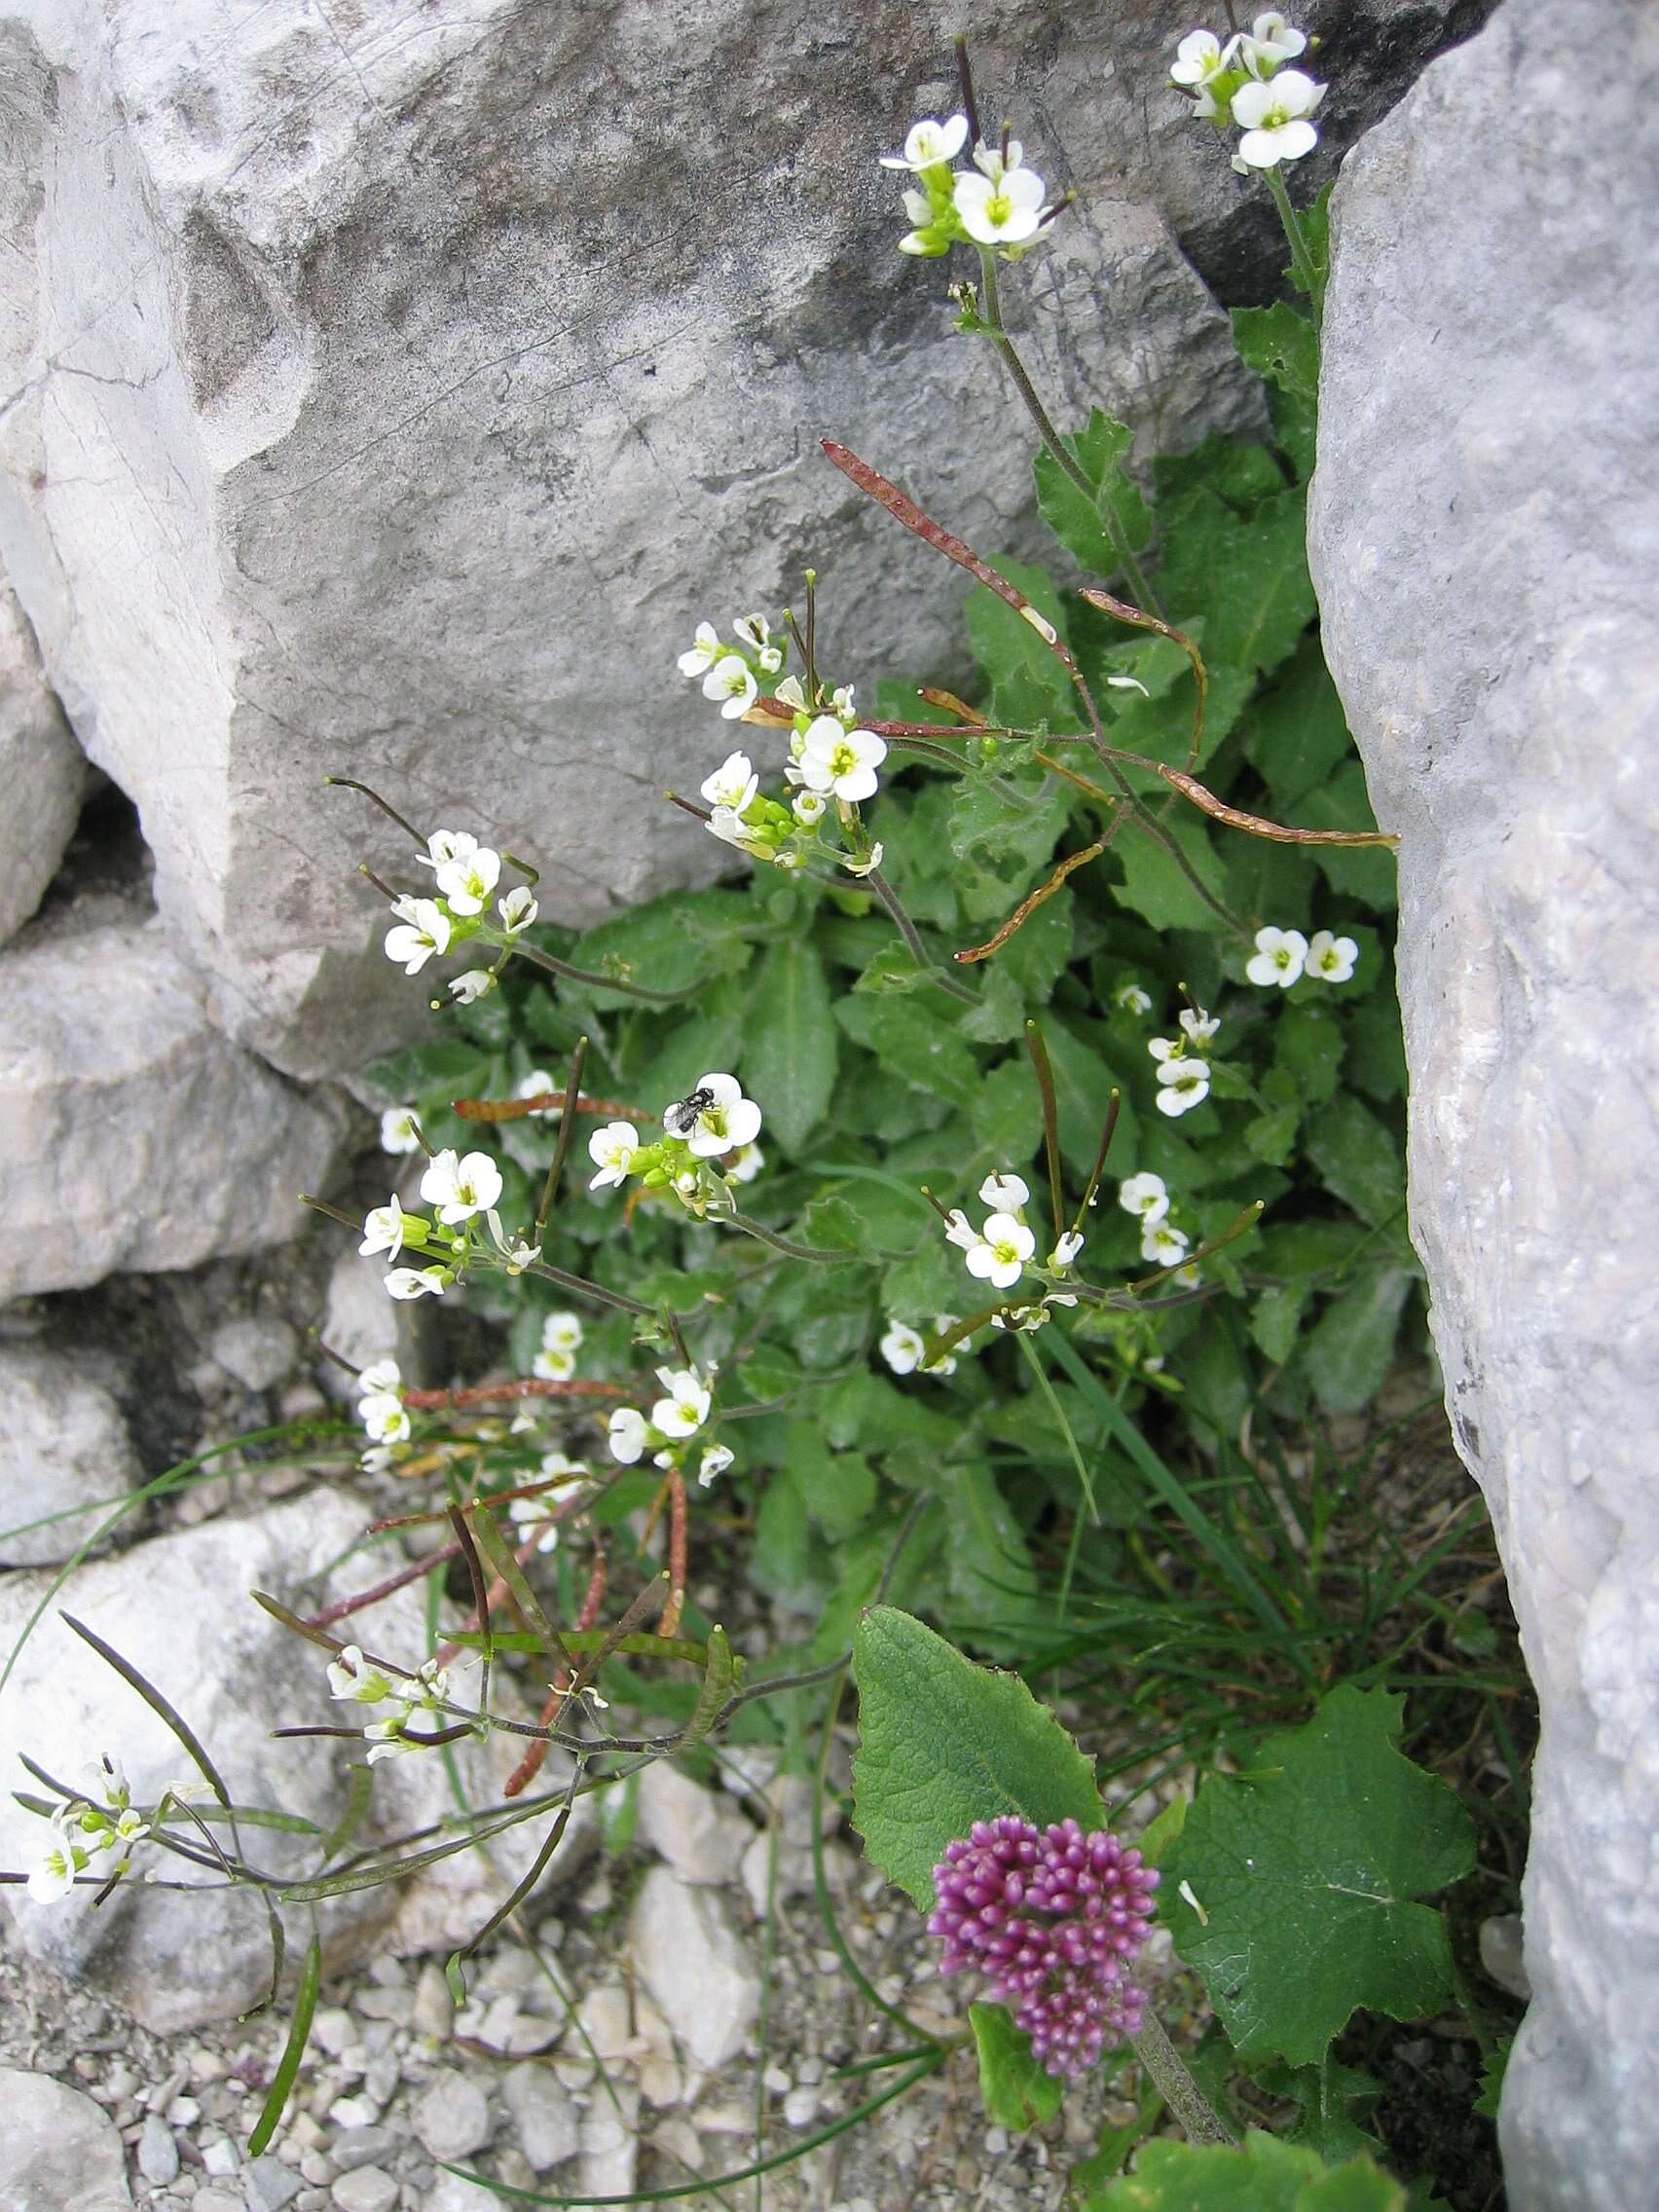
(1270,40)
(1163,1245)
(1273,117)
(842,761)
(422,929)
(467,879)
(472,987)
(1004,1194)
(1165,1048)
(446,845)
(731,829)
(704,654)
(1003,1248)
(730,679)
(807,807)
(686,1407)
(514,1254)
(534,1517)
(518,910)
(351,1675)
(562,1332)
(996,164)
(1066,1250)
(1004,210)
(385,1419)
(1279,958)
(1182,1085)
(1331,958)
(716,1460)
(399,1126)
(929,143)
(715,1116)
(383,1378)
(1198,1025)
(53,1875)
(539,1084)
(612,1151)
(733,783)
(625,1432)
(385,1738)
(1145,1194)
(460,1188)
(902,1347)
(553,1365)
(1134,1000)
(105,1778)
(383,1229)
(756,632)
(868,865)
(960,1230)
(745,1165)
(416,1283)
(1197,59)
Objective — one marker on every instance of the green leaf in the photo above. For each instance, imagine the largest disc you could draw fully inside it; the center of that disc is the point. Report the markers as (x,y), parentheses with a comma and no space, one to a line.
(1156,886)
(1276,1320)
(1280,344)
(1017,2091)
(293,2051)
(1243,475)
(1331,2099)
(838,1487)
(1366,872)
(1248,580)
(1350,1348)
(1262,2175)
(1306,1871)
(1017,821)
(1037,953)
(915,1043)
(990,1568)
(1293,731)
(790,1042)
(833,1225)
(1307,1044)
(666,945)
(1358,1158)
(943,1743)
(1029,683)
(1078,521)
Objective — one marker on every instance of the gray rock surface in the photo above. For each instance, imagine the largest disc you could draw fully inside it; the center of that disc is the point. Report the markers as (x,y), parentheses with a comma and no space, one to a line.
(132,1133)
(702,1837)
(58,2153)
(178,1608)
(43,773)
(63,1444)
(386,390)
(1485,533)
(697,1970)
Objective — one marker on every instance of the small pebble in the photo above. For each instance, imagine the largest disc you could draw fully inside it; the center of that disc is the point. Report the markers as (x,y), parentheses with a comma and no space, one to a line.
(362,2147)
(268,2185)
(353,2111)
(221,2157)
(433,2010)
(366,2188)
(157,2153)
(451,2117)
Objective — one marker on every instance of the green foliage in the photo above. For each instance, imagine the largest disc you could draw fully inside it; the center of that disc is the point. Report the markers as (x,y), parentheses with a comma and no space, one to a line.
(943,1743)
(1307,1870)
(1017,2092)
(1260,2175)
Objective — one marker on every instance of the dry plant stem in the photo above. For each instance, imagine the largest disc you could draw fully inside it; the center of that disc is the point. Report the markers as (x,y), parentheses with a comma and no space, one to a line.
(1028,905)
(530,1766)
(1199,2119)
(543,1102)
(345,1607)
(669,1624)
(493,1393)
(918,952)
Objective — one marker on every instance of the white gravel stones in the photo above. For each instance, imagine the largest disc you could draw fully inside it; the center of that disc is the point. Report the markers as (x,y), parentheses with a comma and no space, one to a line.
(133,1134)
(701,1836)
(450,2116)
(58,2151)
(545,2120)
(65,1444)
(366,2188)
(1485,533)
(698,1971)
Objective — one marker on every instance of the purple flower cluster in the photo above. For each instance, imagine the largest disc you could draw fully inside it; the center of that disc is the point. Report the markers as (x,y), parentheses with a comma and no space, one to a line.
(1054,1922)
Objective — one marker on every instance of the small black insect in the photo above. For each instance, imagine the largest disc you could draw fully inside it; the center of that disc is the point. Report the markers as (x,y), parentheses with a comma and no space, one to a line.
(683,1117)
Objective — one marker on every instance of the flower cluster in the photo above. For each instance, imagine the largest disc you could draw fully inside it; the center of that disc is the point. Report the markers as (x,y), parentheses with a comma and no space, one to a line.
(902,1347)
(94,1833)
(1054,1920)
(1245,84)
(731,674)
(1284,956)
(460,1188)
(465,876)
(1183,1073)
(384,1414)
(561,1340)
(1005,1249)
(1147,1197)
(831,769)
(360,1682)
(999,202)
(708,1145)
(674,1421)
(537,1518)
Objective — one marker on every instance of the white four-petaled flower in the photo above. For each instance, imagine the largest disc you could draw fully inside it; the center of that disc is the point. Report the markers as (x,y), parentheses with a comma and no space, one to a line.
(468,988)
(1269,41)
(416,1283)
(732,682)
(467,879)
(1004,1194)
(725,1120)
(1198,1025)
(1066,1252)
(399,1129)
(1331,958)
(1182,1085)
(928,143)
(612,1151)
(733,783)
(1134,1000)
(626,1433)
(840,761)
(1164,1245)
(1199,57)
(1274,118)
(686,1407)
(1145,1194)
(716,1460)
(460,1188)
(702,656)
(422,929)
(1006,209)
(383,1229)
(1279,958)
(1003,1248)
(518,910)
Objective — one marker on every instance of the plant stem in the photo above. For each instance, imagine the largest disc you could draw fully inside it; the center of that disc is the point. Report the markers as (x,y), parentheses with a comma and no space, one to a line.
(1200,2120)
(790,1251)
(1061,453)
(1296,237)
(918,952)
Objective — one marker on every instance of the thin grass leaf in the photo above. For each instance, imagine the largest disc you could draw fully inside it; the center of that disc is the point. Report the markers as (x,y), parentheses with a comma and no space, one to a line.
(293,2051)
(498,1552)
(358,1791)
(158,1705)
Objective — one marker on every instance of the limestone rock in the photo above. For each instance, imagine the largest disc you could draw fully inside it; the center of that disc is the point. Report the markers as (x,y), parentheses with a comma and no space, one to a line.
(58,2151)
(178,1608)
(65,1444)
(132,1135)
(696,1967)
(547,2123)
(702,1838)
(43,773)
(1485,533)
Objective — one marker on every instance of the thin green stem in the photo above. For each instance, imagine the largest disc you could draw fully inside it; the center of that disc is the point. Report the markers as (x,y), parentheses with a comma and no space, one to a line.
(1302,261)
(1200,2120)
(918,952)
(784,1244)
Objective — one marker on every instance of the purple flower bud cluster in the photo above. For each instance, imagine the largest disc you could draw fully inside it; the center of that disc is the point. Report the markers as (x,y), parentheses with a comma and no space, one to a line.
(1054,1920)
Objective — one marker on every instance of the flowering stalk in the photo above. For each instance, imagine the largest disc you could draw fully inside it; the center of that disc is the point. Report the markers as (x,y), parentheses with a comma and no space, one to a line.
(1307,272)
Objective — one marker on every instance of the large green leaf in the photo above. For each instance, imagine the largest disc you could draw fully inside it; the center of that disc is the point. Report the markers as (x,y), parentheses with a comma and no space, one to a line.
(1358,1158)
(1350,1348)
(1248,580)
(1279,343)
(1293,731)
(790,1044)
(1291,1889)
(1079,522)
(915,1043)
(1262,2175)
(943,1743)
(1157,885)
(1029,683)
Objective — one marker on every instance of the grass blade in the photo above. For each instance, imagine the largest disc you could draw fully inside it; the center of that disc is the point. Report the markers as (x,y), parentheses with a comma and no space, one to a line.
(158,1705)
(293,2051)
